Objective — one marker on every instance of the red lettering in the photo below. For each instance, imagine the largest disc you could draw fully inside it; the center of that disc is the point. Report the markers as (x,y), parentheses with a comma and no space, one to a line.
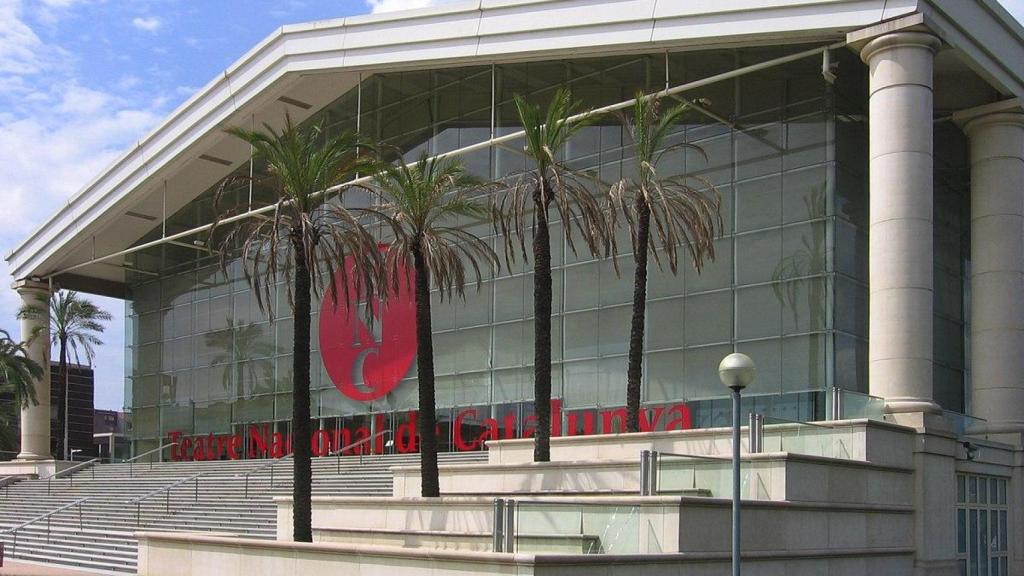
(235,448)
(278,445)
(492,432)
(682,421)
(406,436)
(321,443)
(649,425)
(258,441)
(608,418)
(345,441)
(556,417)
(186,448)
(530,425)
(362,433)
(460,442)
(574,427)
(378,442)
(175,438)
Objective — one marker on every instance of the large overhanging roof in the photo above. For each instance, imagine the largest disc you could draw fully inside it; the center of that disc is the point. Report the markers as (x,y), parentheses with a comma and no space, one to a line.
(301,68)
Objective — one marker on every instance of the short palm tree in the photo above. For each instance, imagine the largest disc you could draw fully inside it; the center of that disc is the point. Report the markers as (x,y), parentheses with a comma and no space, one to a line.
(307,232)
(421,202)
(18,372)
(525,209)
(75,325)
(684,211)
(18,375)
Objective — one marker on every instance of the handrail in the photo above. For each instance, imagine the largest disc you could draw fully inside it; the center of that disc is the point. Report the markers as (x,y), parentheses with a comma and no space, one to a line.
(174,484)
(697,456)
(167,490)
(777,420)
(60,473)
(131,461)
(7,481)
(46,517)
(340,451)
(275,461)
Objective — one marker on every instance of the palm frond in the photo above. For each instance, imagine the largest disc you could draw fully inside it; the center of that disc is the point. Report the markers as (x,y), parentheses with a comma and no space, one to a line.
(306,219)
(683,211)
(551,183)
(420,202)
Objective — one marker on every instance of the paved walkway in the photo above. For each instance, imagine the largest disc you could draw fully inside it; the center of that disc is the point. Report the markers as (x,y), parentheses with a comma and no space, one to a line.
(20,569)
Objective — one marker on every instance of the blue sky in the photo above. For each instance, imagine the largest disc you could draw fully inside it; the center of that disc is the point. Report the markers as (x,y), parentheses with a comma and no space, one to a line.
(80,80)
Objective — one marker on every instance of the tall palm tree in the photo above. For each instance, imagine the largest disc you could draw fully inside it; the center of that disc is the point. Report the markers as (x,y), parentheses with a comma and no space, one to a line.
(682,214)
(421,203)
(74,324)
(527,203)
(307,232)
(18,374)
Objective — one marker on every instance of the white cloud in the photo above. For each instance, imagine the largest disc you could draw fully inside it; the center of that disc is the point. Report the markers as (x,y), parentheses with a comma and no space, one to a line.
(56,134)
(21,50)
(149,24)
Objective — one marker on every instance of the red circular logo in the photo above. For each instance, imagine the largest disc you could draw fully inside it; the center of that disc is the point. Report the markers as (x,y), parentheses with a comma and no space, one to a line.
(366,362)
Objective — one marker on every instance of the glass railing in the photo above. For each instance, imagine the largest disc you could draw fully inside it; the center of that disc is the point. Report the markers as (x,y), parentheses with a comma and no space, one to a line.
(683,474)
(813,439)
(964,425)
(842,404)
(577,527)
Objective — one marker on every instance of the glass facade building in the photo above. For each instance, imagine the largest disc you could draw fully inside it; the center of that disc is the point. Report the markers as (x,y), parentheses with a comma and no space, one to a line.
(785,149)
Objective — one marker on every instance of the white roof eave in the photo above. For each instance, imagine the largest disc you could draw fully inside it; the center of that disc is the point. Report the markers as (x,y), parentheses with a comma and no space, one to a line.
(466,32)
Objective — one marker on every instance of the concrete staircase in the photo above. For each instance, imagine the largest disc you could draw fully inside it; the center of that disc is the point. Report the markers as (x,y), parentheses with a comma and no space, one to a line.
(98,534)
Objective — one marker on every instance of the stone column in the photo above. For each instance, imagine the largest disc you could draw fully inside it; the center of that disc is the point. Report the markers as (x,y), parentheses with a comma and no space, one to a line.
(35,420)
(900,232)
(997,265)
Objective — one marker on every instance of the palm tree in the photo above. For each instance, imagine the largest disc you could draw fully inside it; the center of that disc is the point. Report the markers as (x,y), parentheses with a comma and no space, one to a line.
(527,202)
(74,325)
(307,230)
(18,374)
(420,203)
(682,214)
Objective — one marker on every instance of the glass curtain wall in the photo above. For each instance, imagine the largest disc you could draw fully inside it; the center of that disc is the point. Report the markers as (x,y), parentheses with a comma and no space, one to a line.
(204,359)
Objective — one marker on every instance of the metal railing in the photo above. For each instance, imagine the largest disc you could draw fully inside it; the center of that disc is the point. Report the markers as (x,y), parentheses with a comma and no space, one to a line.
(69,472)
(7,481)
(14,531)
(341,451)
(166,490)
(650,463)
(131,461)
(338,453)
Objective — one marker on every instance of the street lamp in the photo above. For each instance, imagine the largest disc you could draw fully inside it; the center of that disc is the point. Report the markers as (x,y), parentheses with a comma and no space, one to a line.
(737,372)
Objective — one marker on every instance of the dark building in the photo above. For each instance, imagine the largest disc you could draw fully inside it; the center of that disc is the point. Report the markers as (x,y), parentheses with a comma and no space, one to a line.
(80,408)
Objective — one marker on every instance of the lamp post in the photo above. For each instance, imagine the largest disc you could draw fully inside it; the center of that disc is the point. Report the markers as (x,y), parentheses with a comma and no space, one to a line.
(737,372)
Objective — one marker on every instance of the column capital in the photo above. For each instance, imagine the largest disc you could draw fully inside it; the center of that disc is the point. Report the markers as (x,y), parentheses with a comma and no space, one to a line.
(899,40)
(28,286)
(1005,112)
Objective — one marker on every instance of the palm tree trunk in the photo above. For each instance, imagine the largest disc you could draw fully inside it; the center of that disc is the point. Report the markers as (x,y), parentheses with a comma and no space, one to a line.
(425,375)
(634,374)
(542,328)
(303,474)
(62,402)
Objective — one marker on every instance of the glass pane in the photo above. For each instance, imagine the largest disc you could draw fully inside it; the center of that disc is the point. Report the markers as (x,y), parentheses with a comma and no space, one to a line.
(961,531)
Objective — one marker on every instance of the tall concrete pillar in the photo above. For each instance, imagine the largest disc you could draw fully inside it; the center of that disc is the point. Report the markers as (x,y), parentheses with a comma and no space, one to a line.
(35,420)
(900,229)
(996,134)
